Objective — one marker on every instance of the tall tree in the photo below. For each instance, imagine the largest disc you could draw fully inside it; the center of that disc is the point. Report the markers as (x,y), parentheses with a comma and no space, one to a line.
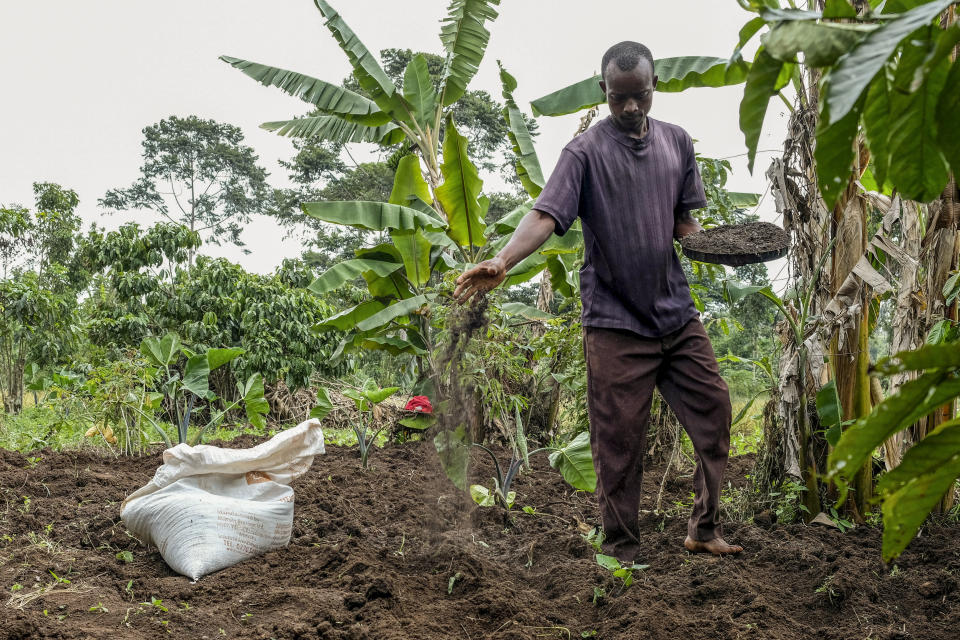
(198,174)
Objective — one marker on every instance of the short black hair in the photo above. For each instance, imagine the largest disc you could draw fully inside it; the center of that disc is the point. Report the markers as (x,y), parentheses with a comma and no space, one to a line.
(627,55)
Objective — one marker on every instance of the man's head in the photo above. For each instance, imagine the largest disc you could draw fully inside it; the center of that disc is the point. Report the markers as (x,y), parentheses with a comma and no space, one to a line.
(628,81)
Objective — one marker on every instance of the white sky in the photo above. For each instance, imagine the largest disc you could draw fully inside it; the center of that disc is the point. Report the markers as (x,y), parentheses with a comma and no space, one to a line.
(82,79)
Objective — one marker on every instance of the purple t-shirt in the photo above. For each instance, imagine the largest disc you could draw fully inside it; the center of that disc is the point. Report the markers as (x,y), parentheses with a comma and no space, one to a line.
(627,193)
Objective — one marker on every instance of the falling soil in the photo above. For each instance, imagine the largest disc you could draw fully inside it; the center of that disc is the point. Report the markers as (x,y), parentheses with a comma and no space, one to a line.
(363,564)
(737,244)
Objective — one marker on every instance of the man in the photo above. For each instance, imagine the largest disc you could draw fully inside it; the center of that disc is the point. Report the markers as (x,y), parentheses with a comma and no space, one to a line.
(633,182)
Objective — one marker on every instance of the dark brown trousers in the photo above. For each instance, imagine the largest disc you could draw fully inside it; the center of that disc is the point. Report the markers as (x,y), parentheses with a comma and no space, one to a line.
(622,371)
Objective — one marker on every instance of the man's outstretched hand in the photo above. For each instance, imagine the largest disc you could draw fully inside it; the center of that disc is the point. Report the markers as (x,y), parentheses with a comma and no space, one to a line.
(480,279)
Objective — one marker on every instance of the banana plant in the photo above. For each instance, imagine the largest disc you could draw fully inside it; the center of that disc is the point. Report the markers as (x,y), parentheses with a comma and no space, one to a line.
(183,392)
(929,469)
(888,70)
(435,213)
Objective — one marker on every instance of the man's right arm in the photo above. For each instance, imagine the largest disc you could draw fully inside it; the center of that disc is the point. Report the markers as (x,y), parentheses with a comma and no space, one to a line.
(533,231)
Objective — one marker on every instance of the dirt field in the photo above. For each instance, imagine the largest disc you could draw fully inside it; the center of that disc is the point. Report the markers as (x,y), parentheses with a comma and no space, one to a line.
(393,553)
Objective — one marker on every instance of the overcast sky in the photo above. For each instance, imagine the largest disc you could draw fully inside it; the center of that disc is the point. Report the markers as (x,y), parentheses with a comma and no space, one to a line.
(82,79)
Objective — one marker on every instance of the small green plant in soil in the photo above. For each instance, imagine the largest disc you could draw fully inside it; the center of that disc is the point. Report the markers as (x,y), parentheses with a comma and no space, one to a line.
(622,570)
(573,459)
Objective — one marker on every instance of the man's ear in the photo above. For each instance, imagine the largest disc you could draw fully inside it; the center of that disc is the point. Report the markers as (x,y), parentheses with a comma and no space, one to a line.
(655,78)
(603,86)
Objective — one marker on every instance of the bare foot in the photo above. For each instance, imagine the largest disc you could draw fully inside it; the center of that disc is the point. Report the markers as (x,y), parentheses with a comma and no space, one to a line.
(717,546)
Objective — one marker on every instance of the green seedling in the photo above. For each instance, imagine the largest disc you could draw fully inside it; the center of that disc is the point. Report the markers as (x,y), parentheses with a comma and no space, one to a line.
(453,579)
(99,608)
(16,587)
(33,461)
(621,570)
(595,538)
(58,578)
(125,556)
(155,602)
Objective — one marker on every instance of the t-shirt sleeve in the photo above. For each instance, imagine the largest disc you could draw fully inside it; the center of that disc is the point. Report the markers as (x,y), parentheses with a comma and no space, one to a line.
(560,198)
(691,190)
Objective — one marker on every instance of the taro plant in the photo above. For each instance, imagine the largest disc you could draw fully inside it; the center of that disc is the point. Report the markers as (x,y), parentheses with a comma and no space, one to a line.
(367,398)
(573,459)
(183,392)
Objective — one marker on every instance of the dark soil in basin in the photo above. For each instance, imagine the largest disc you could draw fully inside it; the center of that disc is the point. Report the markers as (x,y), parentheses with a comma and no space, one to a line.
(738,244)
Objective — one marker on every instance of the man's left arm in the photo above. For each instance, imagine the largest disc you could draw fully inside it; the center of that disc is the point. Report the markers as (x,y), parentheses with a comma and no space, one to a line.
(691,195)
(685,224)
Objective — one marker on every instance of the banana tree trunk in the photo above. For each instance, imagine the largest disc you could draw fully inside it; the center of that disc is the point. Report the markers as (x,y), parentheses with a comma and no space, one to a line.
(943,246)
(849,352)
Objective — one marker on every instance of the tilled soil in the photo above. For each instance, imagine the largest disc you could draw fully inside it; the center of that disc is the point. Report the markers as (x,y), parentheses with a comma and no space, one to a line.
(395,553)
(737,244)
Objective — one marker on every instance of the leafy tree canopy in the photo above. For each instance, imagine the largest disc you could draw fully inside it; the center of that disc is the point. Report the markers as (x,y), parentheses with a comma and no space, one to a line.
(198,174)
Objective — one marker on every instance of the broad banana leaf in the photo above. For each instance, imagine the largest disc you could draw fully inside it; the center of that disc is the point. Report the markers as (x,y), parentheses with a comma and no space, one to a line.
(761,85)
(915,399)
(391,344)
(912,489)
(570,242)
(834,153)
(392,286)
(674,74)
(563,280)
(327,97)
(510,220)
(575,462)
(216,358)
(526,269)
(372,216)
(366,69)
(349,270)
(348,318)
(743,199)
(525,310)
(855,71)
(460,191)
(527,163)
(408,183)
(415,250)
(822,43)
(394,311)
(948,106)
(931,356)
(465,39)
(917,166)
(336,129)
(419,92)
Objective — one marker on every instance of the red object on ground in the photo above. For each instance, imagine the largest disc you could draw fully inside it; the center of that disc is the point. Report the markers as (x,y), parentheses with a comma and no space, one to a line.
(420,404)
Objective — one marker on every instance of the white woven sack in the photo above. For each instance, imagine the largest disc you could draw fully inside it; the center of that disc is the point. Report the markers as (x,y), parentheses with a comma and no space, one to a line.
(208,508)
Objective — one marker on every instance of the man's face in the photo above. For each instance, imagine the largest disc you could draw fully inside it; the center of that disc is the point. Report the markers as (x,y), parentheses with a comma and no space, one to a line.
(629,95)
